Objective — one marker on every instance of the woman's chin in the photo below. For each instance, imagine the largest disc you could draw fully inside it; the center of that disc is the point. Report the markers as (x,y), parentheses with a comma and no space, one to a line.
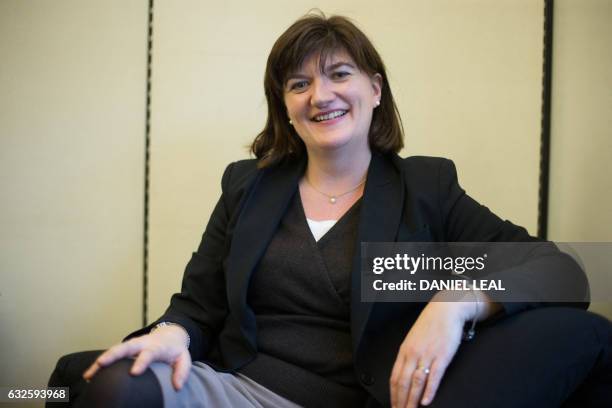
(333,147)
(335,143)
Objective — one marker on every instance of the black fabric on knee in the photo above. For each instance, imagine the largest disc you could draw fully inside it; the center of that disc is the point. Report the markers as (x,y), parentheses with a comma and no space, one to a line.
(114,386)
(535,358)
(69,373)
(596,390)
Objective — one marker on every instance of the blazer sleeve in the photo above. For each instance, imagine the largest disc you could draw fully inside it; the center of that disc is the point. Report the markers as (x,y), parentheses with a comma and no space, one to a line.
(543,275)
(201,305)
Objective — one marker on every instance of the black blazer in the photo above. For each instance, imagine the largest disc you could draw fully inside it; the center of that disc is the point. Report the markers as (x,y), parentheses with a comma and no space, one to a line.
(412,199)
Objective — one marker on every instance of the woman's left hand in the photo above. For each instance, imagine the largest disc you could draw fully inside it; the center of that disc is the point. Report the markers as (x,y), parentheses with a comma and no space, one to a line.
(426,352)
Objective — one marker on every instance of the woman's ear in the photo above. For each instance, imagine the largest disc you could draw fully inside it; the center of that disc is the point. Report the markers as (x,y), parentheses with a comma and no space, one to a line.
(377,84)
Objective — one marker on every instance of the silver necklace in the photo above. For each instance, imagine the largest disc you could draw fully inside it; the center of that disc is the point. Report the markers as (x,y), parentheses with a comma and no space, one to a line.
(333,198)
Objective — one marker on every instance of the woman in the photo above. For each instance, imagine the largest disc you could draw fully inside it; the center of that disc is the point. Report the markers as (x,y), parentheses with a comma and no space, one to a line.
(270,313)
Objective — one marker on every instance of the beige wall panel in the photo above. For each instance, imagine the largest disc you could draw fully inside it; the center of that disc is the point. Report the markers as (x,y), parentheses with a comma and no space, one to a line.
(466,75)
(581,147)
(71,173)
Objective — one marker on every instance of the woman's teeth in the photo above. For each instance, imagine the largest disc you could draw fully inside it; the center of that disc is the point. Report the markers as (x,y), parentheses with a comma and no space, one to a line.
(328,116)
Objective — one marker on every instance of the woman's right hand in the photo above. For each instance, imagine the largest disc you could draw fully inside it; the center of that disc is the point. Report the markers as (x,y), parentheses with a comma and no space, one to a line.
(167,344)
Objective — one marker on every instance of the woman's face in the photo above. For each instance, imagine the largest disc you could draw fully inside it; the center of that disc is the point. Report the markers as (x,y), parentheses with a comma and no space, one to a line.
(332,110)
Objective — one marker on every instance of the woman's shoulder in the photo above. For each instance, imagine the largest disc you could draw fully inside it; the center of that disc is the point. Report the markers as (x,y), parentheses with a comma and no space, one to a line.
(245,172)
(421,162)
(424,168)
(242,167)
(240,173)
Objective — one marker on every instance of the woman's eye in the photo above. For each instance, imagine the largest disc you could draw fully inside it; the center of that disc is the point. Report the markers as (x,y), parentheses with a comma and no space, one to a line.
(298,86)
(340,74)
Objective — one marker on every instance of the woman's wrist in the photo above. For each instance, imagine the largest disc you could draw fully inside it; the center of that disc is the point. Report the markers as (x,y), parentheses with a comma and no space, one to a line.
(488,307)
(461,306)
(174,328)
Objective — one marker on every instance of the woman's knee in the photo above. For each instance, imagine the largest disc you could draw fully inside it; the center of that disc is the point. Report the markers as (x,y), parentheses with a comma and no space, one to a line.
(111,381)
(572,322)
(69,371)
(115,386)
(70,368)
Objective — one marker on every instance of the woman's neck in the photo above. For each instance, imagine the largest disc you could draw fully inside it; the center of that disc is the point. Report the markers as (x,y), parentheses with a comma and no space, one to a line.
(334,173)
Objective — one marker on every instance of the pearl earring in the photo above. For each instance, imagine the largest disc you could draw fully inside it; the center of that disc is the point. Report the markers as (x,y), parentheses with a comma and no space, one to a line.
(290,122)
(377,103)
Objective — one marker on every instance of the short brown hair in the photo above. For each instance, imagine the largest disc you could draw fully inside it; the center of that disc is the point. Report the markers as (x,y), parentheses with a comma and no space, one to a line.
(311,35)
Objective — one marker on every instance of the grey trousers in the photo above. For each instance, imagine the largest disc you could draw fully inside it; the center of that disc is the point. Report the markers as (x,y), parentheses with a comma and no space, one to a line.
(206,387)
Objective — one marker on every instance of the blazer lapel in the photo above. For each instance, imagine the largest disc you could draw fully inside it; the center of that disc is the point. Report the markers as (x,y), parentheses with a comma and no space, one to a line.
(380,217)
(258,221)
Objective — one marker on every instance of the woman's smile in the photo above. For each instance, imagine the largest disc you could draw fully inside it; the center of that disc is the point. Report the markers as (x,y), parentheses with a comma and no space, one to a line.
(330,117)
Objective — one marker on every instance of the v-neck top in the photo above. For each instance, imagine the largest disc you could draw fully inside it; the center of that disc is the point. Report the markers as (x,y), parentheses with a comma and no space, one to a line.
(300,297)
(317,228)
(320,228)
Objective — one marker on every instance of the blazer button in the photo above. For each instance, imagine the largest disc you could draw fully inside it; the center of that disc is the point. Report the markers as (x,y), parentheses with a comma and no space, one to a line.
(366,379)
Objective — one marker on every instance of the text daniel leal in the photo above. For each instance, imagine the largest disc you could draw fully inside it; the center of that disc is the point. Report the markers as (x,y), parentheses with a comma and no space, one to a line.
(440,284)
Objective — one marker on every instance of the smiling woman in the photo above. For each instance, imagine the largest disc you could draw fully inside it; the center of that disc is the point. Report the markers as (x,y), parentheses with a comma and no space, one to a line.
(270,310)
(311,71)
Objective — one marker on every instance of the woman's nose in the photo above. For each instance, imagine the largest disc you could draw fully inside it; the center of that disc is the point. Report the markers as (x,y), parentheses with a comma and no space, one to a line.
(322,93)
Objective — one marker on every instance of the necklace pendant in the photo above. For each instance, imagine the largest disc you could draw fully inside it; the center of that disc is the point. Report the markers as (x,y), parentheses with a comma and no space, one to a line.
(332,200)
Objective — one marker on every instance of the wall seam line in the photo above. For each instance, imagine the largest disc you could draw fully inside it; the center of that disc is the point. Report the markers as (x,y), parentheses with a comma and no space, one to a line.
(544,178)
(145,254)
